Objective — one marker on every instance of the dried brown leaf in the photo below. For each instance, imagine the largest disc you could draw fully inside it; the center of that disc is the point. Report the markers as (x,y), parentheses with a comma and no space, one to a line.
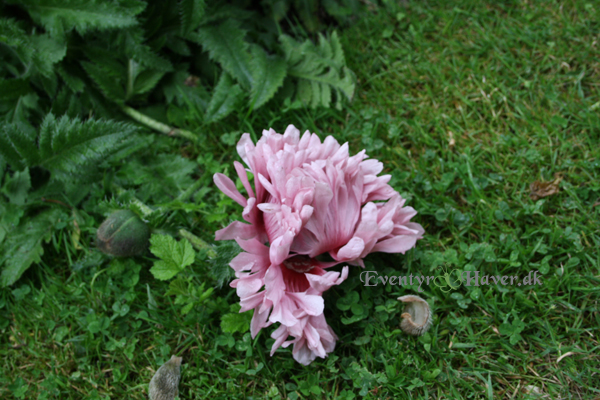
(544,189)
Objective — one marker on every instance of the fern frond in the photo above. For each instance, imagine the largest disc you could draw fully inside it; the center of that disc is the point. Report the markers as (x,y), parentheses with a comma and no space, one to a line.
(61,16)
(268,74)
(226,45)
(320,70)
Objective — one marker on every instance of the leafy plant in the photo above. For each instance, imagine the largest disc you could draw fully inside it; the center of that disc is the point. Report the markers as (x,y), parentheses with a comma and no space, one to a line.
(73,73)
(125,53)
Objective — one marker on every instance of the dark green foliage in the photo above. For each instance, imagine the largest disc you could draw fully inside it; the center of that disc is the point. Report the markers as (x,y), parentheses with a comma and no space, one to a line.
(79,57)
(61,16)
(23,246)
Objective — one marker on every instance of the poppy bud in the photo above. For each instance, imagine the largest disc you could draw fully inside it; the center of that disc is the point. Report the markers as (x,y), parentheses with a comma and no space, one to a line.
(123,234)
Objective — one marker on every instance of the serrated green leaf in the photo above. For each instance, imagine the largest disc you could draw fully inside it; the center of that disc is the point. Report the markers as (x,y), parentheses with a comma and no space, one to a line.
(14,36)
(268,74)
(226,97)
(60,16)
(179,46)
(178,287)
(191,12)
(66,144)
(174,256)
(22,109)
(107,82)
(71,77)
(48,51)
(146,81)
(23,246)
(17,186)
(18,146)
(226,45)
(166,177)
(142,53)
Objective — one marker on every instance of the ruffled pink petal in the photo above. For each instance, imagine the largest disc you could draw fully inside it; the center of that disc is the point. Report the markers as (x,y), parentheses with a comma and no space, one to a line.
(311,304)
(259,321)
(228,187)
(236,230)
(239,168)
(397,244)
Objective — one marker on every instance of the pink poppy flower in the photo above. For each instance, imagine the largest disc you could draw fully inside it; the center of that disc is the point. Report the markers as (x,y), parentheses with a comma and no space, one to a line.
(309,199)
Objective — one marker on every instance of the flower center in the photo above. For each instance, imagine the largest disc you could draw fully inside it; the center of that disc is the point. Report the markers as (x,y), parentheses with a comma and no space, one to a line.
(300,264)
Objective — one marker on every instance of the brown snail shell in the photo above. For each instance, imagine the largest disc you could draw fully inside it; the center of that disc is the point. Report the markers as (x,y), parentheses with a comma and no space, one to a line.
(417,317)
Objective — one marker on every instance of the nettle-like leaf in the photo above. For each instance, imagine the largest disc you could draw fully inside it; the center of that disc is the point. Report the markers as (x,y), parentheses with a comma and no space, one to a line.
(15,37)
(23,245)
(17,186)
(226,96)
(191,12)
(161,179)
(320,70)
(42,51)
(48,51)
(63,145)
(61,16)
(142,53)
(226,45)
(107,81)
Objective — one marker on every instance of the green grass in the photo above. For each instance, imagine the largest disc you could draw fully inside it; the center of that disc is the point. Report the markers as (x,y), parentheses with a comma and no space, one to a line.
(466,104)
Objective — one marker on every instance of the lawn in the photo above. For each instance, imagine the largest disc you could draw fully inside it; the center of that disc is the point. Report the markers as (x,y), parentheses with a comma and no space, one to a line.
(467,104)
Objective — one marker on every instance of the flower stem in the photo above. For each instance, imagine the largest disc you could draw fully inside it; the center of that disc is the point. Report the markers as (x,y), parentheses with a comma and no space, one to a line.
(158,126)
(198,243)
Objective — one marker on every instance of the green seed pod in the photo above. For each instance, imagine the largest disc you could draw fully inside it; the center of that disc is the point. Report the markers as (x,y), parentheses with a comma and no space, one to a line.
(123,234)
